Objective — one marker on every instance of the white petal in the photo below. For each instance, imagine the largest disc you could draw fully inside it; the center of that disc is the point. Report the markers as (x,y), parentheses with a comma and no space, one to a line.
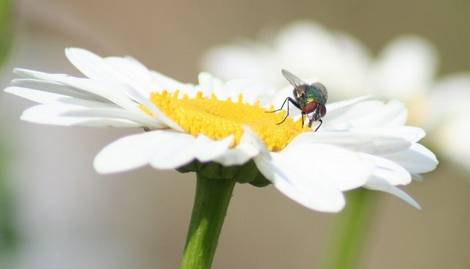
(84,108)
(137,150)
(350,111)
(128,153)
(389,171)
(58,88)
(318,196)
(394,113)
(177,149)
(163,149)
(343,168)
(53,98)
(207,149)
(313,194)
(124,71)
(368,114)
(417,159)
(81,108)
(249,147)
(314,174)
(130,78)
(341,106)
(360,140)
(174,150)
(111,91)
(133,73)
(90,64)
(408,133)
(141,83)
(115,92)
(406,68)
(56,114)
(378,184)
(117,113)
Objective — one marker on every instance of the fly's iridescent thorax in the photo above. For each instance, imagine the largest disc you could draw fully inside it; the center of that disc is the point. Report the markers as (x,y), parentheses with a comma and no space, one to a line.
(317,92)
(308,93)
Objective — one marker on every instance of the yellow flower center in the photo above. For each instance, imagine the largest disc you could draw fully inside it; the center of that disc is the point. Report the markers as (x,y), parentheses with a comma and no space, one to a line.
(218,119)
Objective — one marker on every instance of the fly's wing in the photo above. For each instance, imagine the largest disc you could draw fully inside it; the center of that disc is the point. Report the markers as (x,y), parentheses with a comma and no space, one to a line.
(322,92)
(294,80)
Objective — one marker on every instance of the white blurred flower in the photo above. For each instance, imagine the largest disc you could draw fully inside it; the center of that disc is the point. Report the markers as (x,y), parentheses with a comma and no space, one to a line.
(405,69)
(361,144)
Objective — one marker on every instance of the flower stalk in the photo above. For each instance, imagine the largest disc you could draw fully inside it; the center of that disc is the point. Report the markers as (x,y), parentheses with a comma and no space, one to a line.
(210,207)
(350,230)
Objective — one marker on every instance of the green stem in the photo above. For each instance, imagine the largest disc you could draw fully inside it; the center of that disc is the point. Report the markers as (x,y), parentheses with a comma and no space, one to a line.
(209,210)
(350,230)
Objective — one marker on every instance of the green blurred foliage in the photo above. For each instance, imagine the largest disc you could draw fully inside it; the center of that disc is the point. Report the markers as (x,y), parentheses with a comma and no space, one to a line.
(349,232)
(8,238)
(6,28)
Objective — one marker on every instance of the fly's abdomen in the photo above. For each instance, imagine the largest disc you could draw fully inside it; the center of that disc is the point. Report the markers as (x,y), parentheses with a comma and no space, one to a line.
(309,107)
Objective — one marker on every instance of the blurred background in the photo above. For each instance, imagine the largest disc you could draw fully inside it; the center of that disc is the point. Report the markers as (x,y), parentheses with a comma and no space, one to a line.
(58,213)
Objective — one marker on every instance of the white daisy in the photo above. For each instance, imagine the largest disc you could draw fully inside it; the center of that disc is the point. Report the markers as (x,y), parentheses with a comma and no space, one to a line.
(405,69)
(362,143)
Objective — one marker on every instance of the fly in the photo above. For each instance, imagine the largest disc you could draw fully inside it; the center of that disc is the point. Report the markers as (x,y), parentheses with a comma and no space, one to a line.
(310,99)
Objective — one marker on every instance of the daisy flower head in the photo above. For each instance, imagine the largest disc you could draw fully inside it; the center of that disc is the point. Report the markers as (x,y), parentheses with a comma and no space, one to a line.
(221,129)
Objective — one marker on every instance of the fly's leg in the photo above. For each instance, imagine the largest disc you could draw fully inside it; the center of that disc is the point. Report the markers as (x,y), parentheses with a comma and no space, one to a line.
(282,106)
(313,119)
(288,100)
(318,127)
(303,119)
(316,116)
(287,114)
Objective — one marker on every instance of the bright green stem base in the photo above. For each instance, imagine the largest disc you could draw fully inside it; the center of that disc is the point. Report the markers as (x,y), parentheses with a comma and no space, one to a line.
(350,230)
(210,207)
